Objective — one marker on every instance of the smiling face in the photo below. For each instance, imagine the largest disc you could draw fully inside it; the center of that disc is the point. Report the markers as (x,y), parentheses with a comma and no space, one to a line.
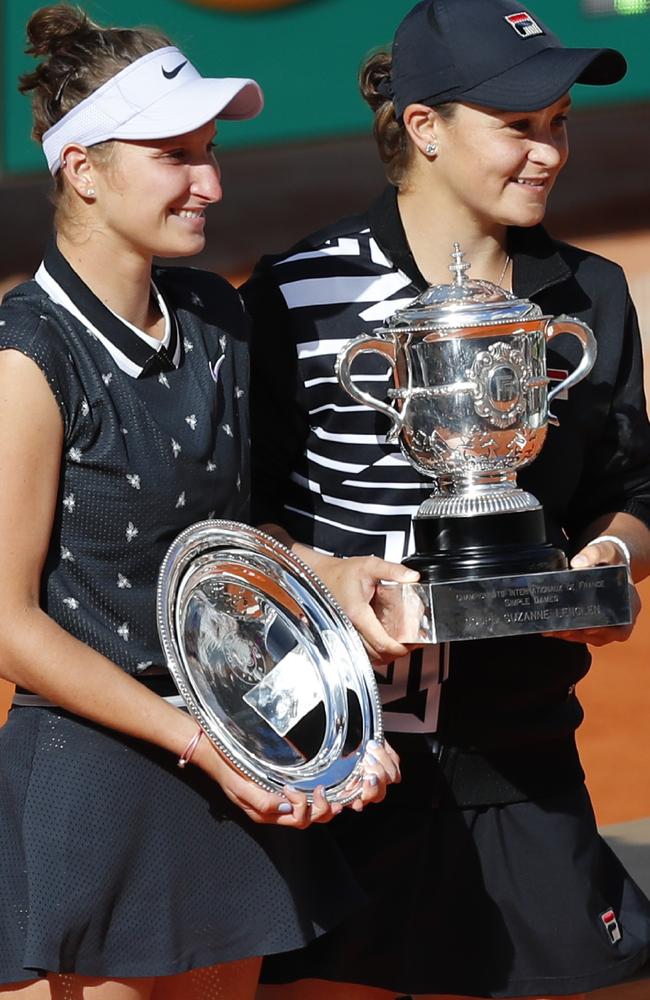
(152,195)
(500,166)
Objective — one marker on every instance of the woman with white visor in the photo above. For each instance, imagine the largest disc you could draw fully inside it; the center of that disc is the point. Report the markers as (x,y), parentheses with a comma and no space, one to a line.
(123,408)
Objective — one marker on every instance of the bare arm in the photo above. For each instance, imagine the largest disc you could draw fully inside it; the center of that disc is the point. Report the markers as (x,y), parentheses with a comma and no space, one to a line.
(630,530)
(35,652)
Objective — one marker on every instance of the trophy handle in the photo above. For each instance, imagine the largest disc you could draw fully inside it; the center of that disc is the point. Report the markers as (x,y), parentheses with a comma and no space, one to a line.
(568,324)
(344,362)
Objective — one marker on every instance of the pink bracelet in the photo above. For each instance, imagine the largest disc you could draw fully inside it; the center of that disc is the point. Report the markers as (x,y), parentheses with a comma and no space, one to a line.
(187,753)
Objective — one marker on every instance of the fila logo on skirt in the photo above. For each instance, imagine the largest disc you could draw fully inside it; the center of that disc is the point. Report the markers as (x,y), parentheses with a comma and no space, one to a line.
(610,923)
(524,24)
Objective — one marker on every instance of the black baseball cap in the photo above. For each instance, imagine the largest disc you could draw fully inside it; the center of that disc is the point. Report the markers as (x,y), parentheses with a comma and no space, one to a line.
(489,52)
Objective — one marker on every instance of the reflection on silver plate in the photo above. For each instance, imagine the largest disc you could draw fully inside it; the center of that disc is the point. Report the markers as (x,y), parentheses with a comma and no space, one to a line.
(265,660)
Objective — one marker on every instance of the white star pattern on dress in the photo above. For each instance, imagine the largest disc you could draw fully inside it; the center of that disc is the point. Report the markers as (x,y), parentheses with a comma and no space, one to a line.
(223,341)
(66,554)
(238,481)
(143,664)
(107,378)
(91,333)
(228,430)
(192,421)
(211,514)
(162,378)
(123,430)
(71,602)
(123,631)
(69,502)
(74,455)
(181,500)
(210,467)
(133,480)
(123,582)
(188,345)
(131,531)
(238,392)
(176,448)
(195,299)
(85,407)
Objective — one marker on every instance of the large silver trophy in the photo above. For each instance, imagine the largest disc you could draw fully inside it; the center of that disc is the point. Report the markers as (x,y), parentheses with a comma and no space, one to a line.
(266,661)
(469,407)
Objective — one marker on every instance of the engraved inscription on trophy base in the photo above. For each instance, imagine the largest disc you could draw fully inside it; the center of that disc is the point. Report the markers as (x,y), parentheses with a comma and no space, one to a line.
(496,606)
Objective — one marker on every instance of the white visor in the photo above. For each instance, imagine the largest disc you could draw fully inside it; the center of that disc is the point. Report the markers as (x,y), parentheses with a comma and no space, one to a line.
(157,96)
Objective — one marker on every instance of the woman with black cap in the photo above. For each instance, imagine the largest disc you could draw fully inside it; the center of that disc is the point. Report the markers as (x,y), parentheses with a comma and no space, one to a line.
(485,868)
(123,407)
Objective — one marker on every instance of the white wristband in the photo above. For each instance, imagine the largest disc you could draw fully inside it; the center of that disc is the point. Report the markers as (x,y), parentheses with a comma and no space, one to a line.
(615,540)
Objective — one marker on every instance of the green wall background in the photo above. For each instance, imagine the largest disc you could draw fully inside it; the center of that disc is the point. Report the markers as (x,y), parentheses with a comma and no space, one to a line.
(306,57)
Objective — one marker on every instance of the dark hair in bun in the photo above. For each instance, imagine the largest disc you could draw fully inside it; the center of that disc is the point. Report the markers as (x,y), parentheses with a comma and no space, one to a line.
(393,142)
(78,56)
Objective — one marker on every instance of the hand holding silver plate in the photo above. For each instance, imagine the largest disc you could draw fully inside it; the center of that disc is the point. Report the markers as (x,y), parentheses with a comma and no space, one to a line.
(266,662)
(469,407)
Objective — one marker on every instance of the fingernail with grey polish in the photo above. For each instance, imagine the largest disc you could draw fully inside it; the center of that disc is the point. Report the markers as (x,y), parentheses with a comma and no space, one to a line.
(285,808)
(373,780)
(370,759)
(372,745)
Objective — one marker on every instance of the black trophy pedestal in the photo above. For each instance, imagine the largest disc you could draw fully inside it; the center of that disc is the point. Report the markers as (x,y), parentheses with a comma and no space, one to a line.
(486,545)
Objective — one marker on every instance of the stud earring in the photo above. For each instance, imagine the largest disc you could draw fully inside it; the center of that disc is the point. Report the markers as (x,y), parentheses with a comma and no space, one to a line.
(431,148)
(90,192)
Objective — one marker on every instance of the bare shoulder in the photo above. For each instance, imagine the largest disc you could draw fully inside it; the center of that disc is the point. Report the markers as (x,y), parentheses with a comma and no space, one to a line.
(27,403)
(21,376)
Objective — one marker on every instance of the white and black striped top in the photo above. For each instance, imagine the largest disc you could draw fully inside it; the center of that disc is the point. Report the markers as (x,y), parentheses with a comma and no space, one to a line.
(323,469)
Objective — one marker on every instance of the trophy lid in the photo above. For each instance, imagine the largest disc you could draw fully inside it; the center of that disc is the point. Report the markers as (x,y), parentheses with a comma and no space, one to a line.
(464,303)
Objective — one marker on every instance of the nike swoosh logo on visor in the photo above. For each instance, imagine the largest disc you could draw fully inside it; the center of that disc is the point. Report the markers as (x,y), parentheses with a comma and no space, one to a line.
(171,73)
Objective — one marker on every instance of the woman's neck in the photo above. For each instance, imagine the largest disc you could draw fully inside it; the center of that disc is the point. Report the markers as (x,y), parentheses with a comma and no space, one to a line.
(120,279)
(432,226)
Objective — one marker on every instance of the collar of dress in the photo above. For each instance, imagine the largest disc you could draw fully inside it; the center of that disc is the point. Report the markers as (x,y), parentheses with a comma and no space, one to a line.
(134,351)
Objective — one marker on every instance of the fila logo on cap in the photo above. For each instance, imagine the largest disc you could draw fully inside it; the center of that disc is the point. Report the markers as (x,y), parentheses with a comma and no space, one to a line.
(524,24)
(610,924)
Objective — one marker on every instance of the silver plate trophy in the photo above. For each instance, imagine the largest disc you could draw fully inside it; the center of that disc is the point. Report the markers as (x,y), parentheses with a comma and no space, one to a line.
(265,660)
(469,407)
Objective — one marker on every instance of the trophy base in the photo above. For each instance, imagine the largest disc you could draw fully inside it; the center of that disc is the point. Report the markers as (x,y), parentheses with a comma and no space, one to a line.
(496,575)
(497,606)
(487,545)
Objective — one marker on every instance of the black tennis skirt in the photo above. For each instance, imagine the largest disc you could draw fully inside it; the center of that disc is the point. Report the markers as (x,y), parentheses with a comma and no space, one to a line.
(515,900)
(115,863)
